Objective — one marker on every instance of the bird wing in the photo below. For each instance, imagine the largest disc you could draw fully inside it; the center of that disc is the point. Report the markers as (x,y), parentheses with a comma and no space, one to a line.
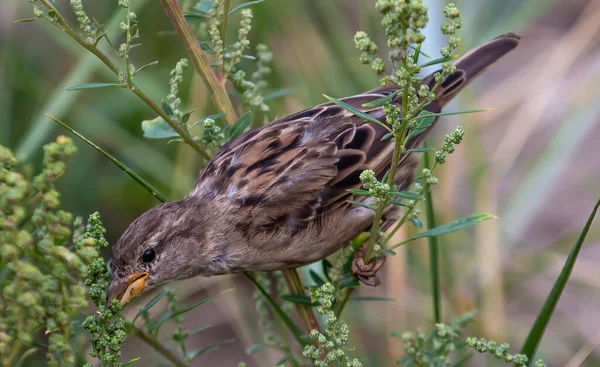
(293,169)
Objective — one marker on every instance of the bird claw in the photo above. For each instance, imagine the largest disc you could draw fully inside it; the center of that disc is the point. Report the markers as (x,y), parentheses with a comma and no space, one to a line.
(367,273)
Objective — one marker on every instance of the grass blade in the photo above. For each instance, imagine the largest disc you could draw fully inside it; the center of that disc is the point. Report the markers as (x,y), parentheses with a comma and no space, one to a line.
(357,112)
(537,331)
(150,304)
(434,264)
(296,332)
(381,101)
(93,86)
(454,226)
(151,189)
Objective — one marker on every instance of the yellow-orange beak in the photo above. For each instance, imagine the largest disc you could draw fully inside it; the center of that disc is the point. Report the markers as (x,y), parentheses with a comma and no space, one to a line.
(125,289)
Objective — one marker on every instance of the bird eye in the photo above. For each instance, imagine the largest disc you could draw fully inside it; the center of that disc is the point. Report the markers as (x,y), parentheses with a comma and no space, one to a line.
(148,255)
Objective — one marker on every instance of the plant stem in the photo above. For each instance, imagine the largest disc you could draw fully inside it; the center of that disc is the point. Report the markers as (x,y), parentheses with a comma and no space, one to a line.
(106,61)
(176,360)
(305,311)
(434,265)
(223,31)
(199,59)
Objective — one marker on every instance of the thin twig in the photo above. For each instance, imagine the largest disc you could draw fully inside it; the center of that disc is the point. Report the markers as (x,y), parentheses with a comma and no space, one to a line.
(176,360)
(199,59)
(144,97)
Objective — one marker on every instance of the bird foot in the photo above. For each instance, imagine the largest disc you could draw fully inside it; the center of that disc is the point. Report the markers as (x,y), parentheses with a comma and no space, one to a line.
(367,273)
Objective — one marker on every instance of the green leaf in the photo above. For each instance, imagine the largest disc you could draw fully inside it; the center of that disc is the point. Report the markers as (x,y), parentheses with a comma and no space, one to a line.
(417,223)
(131,361)
(157,128)
(93,85)
(356,299)
(357,112)
(240,125)
(458,224)
(298,298)
(434,266)
(278,93)
(210,348)
(170,315)
(255,348)
(28,353)
(429,114)
(206,47)
(26,20)
(281,361)
(326,265)
(386,252)
(425,119)
(541,322)
(437,61)
(408,195)
(349,282)
(212,117)
(149,305)
(203,6)
(358,203)
(358,192)
(296,332)
(168,110)
(147,66)
(316,278)
(420,150)
(386,136)
(398,203)
(151,189)
(194,17)
(244,5)
(381,101)
(200,329)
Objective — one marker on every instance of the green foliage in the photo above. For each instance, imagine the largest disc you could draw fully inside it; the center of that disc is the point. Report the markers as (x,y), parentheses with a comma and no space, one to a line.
(45,255)
(501,352)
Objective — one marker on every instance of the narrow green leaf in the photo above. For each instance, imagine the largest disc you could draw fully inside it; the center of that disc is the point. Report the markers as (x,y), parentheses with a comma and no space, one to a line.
(386,252)
(386,136)
(358,203)
(150,304)
(358,192)
(417,53)
(458,224)
(326,265)
(357,299)
(437,61)
(176,140)
(357,112)
(240,125)
(381,101)
(186,116)
(255,348)
(200,329)
(298,298)
(541,322)
(131,361)
(425,119)
(420,150)
(278,93)
(212,117)
(434,266)
(409,195)
(418,49)
(170,315)
(316,278)
(195,17)
(203,6)
(296,332)
(430,114)
(165,106)
(157,128)
(349,282)
(26,20)
(93,85)
(210,348)
(206,47)
(147,66)
(244,5)
(417,223)
(151,189)
(29,352)
(282,361)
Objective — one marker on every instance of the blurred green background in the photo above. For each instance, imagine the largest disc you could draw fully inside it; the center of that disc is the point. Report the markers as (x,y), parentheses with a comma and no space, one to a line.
(534,160)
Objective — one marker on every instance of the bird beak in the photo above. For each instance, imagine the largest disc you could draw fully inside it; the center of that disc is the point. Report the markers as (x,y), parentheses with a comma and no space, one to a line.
(125,289)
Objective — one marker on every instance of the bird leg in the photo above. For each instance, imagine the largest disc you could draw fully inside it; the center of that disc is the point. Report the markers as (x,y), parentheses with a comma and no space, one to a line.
(367,273)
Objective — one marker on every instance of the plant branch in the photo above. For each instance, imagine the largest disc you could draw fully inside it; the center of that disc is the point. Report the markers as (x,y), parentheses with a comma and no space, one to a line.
(144,97)
(305,311)
(176,360)
(199,59)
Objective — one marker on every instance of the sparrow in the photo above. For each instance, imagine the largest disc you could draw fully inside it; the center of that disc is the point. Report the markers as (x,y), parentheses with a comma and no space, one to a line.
(276,197)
